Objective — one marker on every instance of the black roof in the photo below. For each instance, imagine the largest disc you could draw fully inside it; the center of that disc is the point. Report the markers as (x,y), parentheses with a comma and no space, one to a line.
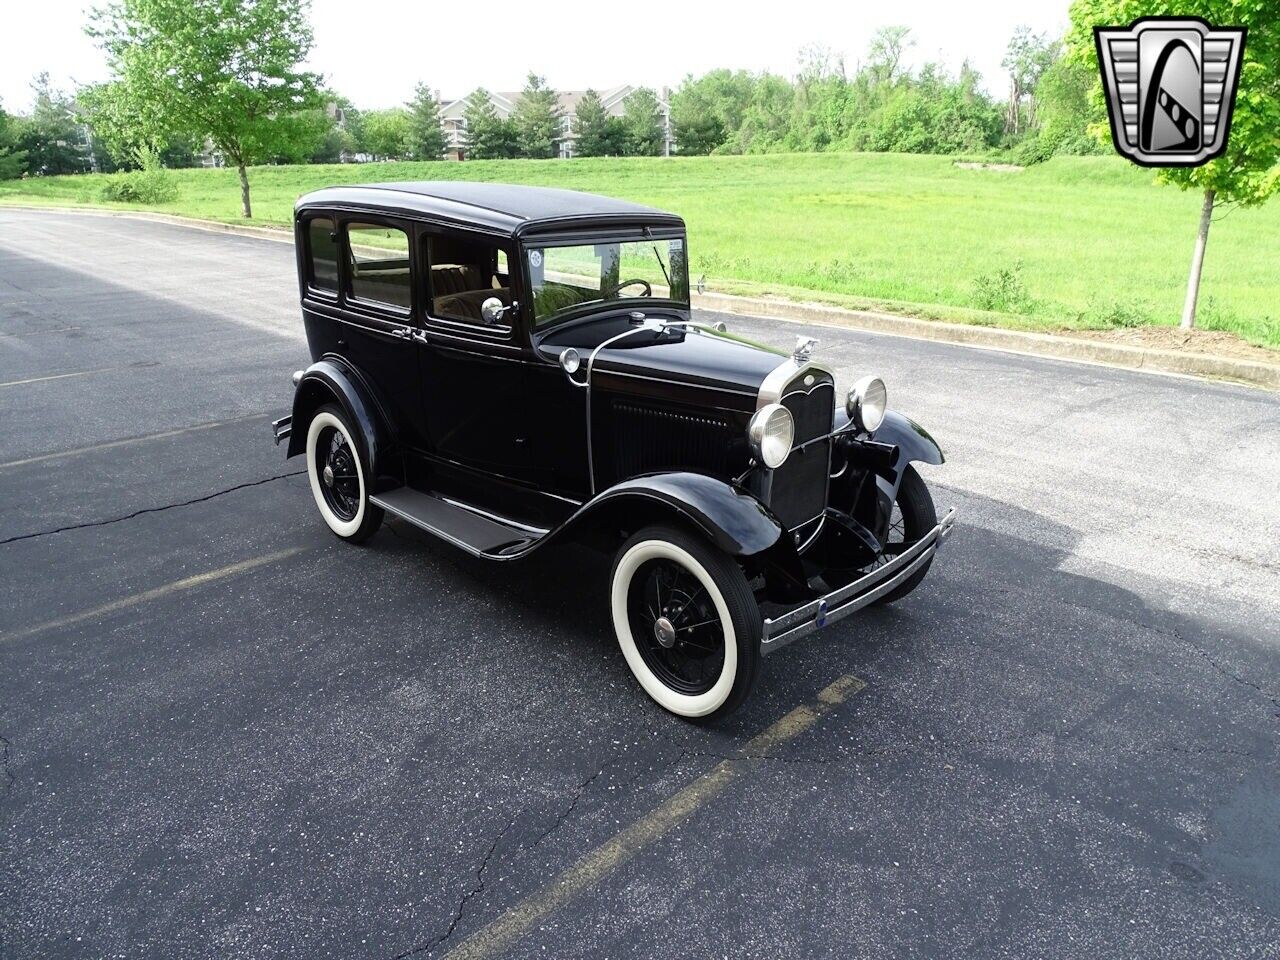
(505,207)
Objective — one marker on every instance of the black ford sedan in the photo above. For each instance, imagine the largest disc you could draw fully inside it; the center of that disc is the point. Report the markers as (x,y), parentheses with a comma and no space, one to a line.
(509,366)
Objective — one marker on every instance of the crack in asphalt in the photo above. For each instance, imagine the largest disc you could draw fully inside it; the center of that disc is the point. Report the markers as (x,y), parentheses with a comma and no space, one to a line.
(146,510)
(476,889)
(9,778)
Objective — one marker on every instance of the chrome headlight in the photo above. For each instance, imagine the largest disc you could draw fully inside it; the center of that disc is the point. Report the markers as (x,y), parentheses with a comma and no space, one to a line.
(867,403)
(770,433)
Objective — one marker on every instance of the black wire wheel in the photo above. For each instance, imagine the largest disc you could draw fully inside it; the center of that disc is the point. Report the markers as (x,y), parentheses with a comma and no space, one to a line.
(336,471)
(913,515)
(687,622)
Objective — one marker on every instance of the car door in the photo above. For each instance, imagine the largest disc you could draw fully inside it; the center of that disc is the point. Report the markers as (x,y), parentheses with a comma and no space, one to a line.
(379,331)
(473,372)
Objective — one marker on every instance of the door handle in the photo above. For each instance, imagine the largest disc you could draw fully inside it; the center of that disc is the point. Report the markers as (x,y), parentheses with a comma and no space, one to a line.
(402,332)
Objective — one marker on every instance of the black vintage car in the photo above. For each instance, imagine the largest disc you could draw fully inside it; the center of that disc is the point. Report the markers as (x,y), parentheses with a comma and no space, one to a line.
(506,367)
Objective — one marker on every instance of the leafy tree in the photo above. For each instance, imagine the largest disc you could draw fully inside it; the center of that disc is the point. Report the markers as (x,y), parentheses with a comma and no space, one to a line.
(705,111)
(426,133)
(1249,172)
(51,136)
(1065,108)
(537,119)
(12,160)
(767,118)
(888,46)
(1027,58)
(388,134)
(642,123)
(489,136)
(228,71)
(592,121)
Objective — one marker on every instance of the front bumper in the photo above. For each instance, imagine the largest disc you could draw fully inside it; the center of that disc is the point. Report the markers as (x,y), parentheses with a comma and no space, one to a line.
(837,604)
(281,429)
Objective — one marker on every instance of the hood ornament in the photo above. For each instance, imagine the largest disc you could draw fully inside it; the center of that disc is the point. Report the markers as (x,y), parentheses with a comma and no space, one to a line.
(804,349)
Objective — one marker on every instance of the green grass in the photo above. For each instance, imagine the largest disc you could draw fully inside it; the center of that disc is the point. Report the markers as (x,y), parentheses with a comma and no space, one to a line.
(1075,242)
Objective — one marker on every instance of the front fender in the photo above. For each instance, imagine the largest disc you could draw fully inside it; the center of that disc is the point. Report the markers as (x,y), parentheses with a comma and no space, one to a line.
(912,440)
(734,521)
(897,442)
(330,381)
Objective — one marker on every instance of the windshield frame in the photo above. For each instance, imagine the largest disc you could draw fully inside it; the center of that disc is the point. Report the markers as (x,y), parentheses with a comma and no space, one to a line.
(657,235)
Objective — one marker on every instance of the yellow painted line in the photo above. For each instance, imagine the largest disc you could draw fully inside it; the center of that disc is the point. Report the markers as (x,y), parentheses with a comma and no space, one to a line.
(56,376)
(499,935)
(128,441)
(178,586)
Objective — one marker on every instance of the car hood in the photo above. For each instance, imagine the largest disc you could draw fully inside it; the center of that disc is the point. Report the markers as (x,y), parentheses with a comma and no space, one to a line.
(700,358)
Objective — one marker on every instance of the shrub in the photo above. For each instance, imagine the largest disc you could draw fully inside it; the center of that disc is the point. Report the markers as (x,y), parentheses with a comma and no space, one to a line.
(1031,151)
(152,184)
(1117,314)
(1002,291)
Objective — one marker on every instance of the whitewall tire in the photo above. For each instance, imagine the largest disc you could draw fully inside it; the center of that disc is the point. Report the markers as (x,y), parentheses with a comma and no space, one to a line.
(686,621)
(335,468)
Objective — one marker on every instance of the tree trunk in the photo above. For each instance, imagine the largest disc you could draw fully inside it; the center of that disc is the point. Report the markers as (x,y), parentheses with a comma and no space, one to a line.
(246,211)
(1197,262)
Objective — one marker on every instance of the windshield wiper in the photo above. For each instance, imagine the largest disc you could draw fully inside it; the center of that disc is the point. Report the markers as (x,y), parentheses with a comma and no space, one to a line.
(649,233)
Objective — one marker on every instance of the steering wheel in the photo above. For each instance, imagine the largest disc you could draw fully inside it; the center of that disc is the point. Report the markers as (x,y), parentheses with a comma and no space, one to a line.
(648,290)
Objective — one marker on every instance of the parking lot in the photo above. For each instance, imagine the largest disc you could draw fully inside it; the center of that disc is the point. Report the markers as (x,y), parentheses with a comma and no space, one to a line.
(228,734)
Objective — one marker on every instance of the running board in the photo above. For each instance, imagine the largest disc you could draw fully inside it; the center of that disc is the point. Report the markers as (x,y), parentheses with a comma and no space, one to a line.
(480,534)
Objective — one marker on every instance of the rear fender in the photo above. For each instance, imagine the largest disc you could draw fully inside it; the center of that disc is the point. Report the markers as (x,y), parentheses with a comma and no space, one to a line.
(332,381)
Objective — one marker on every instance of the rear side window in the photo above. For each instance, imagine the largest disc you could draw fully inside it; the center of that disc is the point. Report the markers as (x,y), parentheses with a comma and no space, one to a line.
(465,272)
(322,242)
(380,265)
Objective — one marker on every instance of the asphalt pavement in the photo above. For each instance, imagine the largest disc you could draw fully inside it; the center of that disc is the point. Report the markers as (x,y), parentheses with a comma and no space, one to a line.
(227,734)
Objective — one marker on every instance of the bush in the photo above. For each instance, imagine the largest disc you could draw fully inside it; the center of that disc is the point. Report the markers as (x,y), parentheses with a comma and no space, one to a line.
(152,184)
(1117,314)
(1031,151)
(1002,291)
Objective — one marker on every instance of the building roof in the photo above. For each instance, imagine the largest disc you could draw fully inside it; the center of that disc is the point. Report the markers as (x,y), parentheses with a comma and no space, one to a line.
(500,206)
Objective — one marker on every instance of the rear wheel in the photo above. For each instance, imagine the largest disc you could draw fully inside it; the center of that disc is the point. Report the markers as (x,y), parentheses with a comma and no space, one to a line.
(336,471)
(687,622)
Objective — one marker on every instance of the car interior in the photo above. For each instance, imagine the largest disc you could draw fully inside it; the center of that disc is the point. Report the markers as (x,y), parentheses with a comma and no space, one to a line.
(465,273)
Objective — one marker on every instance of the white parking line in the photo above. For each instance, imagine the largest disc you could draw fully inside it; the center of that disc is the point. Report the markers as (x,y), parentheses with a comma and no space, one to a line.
(177,586)
(495,938)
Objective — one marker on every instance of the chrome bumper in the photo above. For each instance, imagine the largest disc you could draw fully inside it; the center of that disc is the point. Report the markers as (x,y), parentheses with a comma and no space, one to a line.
(281,429)
(816,614)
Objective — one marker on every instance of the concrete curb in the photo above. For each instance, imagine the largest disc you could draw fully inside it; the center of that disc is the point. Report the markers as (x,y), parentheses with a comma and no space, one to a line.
(1150,359)
(1056,346)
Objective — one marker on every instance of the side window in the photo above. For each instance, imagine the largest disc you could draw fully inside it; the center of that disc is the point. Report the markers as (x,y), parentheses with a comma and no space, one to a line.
(322,244)
(379,265)
(464,273)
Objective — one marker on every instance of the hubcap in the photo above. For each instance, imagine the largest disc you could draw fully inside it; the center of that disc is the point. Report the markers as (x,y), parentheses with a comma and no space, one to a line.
(664,632)
(328,476)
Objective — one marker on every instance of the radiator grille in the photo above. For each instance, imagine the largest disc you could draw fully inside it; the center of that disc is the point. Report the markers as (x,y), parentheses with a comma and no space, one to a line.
(652,438)
(800,485)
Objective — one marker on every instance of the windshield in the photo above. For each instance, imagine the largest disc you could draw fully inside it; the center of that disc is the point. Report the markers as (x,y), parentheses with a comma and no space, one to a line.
(564,278)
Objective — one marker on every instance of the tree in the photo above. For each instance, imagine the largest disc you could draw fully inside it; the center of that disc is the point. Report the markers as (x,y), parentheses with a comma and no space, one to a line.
(388,134)
(705,111)
(12,160)
(228,71)
(593,126)
(1249,172)
(884,56)
(537,119)
(51,136)
(642,123)
(1027,57)
(489,136)
(426,133)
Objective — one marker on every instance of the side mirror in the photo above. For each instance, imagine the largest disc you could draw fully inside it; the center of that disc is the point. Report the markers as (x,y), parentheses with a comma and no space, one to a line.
(491,310)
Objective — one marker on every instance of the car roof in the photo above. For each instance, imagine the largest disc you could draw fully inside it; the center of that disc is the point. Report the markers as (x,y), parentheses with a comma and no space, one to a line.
(505,207)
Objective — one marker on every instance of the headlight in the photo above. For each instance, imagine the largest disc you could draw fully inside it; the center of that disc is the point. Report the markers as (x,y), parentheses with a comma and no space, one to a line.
(867,402)
(770,434)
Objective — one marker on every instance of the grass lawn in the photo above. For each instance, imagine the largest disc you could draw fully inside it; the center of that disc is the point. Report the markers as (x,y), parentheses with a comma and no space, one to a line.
(1075,242)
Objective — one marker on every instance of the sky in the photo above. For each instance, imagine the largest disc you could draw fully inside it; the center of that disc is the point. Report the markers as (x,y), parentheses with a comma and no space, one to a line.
(375,51)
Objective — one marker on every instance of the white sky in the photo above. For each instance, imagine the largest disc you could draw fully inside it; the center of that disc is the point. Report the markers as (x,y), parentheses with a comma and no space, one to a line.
(374,51)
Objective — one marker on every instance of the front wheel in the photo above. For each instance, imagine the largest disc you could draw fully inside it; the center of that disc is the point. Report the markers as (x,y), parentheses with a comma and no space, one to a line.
(687,622)
(913,516)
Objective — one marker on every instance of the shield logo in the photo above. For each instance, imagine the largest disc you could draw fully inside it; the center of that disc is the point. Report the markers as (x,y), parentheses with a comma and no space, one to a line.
(1170,85)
